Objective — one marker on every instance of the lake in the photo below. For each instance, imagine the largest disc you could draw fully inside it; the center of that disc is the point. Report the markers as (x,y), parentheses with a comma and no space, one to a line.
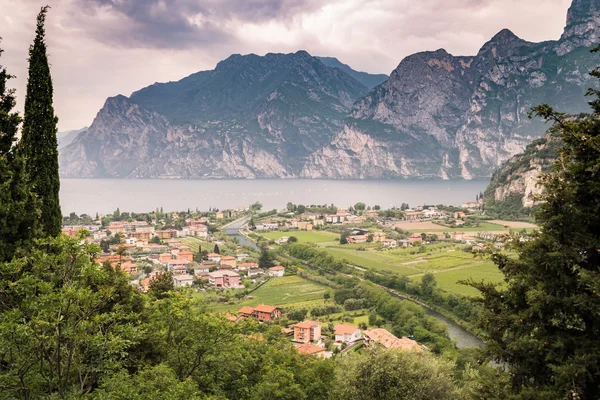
(141,195)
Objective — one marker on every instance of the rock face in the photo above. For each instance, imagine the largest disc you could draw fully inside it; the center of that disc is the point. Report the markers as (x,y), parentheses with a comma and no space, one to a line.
(294,115)
(514,186)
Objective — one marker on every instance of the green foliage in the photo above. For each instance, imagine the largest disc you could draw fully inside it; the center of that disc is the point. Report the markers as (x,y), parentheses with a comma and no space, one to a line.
(393,375)
(545,324)
(162,285)
(19,208)
(38,144)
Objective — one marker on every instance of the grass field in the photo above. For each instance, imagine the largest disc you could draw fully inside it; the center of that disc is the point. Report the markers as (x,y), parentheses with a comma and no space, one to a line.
(303,236)
(287,291)
(486,271)
(194,243)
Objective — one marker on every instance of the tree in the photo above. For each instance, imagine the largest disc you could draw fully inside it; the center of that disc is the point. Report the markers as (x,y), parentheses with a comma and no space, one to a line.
(544,323)
(256,206)
(393,375)
(155,240)
(360,206)
(161,285)
(292,239)
(428,284)
(19,208)
(300,209)
(216,249)
(266,259)
(344,237)
(39,145)
(326,296)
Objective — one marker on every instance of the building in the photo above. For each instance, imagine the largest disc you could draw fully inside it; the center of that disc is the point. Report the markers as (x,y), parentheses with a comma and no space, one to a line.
(166,234)
(229,260)
(385,339)
(186,255)
(277,271)
(267,313)
(438,235)
(415,237)
(255,273)
(307,331)
(129,267)
(198,231)
(220,215)
(242,256)
(164,257)
(389,243)
(459,215)
(261,312)
(378,237)
(201,269)
(404,243)
(181,263)
(357,239)
(471,205)
(247,266)
(305,226)
(346,333)
(183,280)
(457,235)
(414,215)
(225,279)
(214,257)
(310,350)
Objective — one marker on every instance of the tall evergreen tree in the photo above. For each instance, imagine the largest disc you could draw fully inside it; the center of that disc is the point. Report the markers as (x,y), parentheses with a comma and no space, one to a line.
(545,323)
(18,211)
(39,145)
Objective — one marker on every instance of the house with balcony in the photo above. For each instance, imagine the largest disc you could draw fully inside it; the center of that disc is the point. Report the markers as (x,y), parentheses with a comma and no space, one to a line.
(307,332)
(346,333)
(224,279)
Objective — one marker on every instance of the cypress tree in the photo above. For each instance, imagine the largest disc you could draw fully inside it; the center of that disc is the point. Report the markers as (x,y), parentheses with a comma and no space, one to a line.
(18,211)
(39,145)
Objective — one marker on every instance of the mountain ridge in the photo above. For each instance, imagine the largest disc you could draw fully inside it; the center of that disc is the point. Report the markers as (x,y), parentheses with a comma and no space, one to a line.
(293,116)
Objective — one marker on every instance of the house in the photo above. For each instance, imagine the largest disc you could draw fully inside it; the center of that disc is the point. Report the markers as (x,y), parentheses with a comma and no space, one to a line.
(457,235)
(145,236)
(208,264)
(357,239)
(307,331)
(438,235)
(305,226)
(179,270)
(346,333)
(177,263)
(277,271)
(378,237)
(200,269)
(267,226)
(459,215)
(247,266)
(225,267)
(414,215)
(220,215)
(242,256)
(282,240)
(225,279)
(310,350)
(131,241)
(267,313)
(333,219)
(99,235)
(198,231)
(166,234)
(389,243)
(385,339)
(415,237)
(214,257)
(255,272)
(186,255)
(404,243)
(183,280)
(246,312)
(129,267)
(164,257)
(471,205)
(229,260)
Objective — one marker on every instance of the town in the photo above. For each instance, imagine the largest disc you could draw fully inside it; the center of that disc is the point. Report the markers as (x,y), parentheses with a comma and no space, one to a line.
(232,258)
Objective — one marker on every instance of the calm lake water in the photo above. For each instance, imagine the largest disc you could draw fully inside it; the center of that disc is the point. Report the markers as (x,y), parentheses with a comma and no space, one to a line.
(140,195)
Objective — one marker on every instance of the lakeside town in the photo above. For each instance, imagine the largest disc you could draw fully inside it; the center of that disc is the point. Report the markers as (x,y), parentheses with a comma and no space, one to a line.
(230,257)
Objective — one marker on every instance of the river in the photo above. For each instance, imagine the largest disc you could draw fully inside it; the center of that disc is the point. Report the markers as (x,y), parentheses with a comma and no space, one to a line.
(142,195)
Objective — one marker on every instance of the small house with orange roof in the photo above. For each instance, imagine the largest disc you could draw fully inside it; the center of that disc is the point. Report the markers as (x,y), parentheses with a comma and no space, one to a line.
(346,333)
(277,271)
(310,349)
(186,255)
(384,338)
(229,260)
(307,331)
(263,312)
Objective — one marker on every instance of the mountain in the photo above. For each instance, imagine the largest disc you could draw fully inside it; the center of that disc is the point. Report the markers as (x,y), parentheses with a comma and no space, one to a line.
(294,115)
(513,187)
(369,80)
(249,117)
(67,137)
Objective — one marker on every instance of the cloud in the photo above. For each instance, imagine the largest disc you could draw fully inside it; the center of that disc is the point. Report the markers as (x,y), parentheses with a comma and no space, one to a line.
(100,48)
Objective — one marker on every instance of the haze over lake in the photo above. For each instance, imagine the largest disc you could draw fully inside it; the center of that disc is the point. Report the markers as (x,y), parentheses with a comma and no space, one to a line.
(139,195)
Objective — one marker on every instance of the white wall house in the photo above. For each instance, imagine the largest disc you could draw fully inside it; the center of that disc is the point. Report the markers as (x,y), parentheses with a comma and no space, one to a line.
(346,333)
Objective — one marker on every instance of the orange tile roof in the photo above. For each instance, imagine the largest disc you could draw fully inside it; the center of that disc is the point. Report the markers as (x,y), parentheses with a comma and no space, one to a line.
(246,310)
(277,268)
(389,341)
(307,324)
(265,308)
(228,258)
(213,255)
(341,329)
(309,349)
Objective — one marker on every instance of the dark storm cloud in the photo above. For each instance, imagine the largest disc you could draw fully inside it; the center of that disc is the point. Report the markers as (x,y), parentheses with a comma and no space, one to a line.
(181,23)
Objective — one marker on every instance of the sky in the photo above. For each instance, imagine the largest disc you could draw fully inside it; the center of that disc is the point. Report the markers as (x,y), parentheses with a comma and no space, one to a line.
(101,48)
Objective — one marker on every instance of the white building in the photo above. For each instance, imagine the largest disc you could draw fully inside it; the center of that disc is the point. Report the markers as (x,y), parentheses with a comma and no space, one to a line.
(183,280)
(346,333)
(277,271)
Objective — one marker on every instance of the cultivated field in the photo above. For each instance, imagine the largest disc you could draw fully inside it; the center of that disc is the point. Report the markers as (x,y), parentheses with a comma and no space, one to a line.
(515,224)
(447,261)
(303,236)
(421,227)
(287,291)
(194,243)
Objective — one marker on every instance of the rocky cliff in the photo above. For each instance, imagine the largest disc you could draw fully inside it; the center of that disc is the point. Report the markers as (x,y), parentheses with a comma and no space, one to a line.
(514,187)
(294,115)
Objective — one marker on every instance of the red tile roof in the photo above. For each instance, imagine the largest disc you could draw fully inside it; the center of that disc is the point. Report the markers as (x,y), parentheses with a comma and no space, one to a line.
(264,308)
(307,324)
(246,310)
(277,268)
(341,329)
(309,349)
